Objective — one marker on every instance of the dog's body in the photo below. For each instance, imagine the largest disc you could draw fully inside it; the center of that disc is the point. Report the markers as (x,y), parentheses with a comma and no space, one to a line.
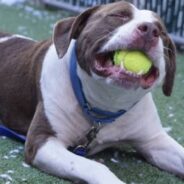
(37,99)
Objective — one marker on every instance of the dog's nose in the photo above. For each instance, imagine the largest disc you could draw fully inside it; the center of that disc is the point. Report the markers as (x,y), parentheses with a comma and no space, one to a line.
(148,30)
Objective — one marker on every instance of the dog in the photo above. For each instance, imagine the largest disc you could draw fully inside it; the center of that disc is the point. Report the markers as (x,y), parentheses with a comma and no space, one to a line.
(38,97)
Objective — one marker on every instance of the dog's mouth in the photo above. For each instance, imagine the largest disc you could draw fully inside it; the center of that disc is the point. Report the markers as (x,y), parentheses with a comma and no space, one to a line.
(104,66)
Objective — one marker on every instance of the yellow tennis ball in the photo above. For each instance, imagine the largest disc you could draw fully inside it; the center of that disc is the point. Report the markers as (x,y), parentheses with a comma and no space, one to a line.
(133,61)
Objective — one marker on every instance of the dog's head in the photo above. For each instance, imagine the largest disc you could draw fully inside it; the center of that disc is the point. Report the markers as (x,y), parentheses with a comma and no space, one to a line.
(102,30)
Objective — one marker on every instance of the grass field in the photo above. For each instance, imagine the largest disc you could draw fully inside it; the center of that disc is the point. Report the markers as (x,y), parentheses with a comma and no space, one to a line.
(131,168)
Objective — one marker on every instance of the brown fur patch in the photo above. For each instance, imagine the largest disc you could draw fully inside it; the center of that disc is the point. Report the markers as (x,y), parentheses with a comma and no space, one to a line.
(170,58)
(39,131)
(20,61)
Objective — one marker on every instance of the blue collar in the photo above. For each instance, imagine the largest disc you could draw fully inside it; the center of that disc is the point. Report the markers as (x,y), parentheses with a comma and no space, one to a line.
(94,114)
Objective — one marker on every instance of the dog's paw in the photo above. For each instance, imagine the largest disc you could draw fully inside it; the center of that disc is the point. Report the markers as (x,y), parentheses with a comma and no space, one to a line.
(105,176)
(166,154)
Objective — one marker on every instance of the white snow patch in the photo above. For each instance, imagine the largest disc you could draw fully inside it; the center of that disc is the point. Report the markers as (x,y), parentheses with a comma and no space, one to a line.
(10,172)
(3,137)
(13,156)
(114,160)
(170,108)
(6,157)
(24,179)
(20,147)
(171,115)
(6,177)
(14,151)
(25,165)
(8,182)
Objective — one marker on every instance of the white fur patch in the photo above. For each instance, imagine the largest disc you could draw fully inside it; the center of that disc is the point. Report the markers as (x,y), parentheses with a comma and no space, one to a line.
(5,39)
(23,37)
(61,106)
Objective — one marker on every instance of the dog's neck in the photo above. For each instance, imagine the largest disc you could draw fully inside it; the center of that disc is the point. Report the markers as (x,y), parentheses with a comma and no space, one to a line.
(107,96)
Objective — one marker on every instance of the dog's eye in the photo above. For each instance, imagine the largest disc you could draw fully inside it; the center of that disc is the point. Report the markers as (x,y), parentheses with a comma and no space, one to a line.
(125,16)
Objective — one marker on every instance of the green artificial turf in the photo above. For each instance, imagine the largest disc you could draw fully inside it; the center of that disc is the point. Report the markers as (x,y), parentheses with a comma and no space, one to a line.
(131,168)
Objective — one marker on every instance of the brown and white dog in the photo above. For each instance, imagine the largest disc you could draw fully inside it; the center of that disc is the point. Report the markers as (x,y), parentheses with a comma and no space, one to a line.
(37,99)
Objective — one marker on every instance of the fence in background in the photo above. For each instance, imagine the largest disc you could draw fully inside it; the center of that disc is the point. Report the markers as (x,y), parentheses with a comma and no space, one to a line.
(171,11)
(75,5)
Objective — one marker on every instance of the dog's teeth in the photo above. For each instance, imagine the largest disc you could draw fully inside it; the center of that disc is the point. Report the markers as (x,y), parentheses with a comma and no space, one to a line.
(132,74)
(122,65)
(140,72)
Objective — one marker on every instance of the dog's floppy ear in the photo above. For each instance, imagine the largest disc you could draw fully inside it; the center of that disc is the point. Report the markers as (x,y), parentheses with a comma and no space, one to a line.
(69,28)
(61,35)
(170,58)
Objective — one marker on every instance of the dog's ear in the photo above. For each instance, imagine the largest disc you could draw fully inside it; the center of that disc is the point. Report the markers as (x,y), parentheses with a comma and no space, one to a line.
(61,35)
(170,58)
(68,29)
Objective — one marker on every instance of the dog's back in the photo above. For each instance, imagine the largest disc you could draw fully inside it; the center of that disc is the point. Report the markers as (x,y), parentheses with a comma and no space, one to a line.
(19,65)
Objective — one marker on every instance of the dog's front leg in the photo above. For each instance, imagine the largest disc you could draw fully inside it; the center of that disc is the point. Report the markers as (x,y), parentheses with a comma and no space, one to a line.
(54,158)
(48,153)
(165,153)
(153,142)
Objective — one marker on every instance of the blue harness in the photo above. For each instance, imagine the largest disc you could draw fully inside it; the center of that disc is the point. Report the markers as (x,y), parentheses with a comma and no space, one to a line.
(95,115)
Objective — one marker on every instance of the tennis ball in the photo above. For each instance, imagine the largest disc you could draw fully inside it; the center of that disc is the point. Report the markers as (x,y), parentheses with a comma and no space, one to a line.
(133,61)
